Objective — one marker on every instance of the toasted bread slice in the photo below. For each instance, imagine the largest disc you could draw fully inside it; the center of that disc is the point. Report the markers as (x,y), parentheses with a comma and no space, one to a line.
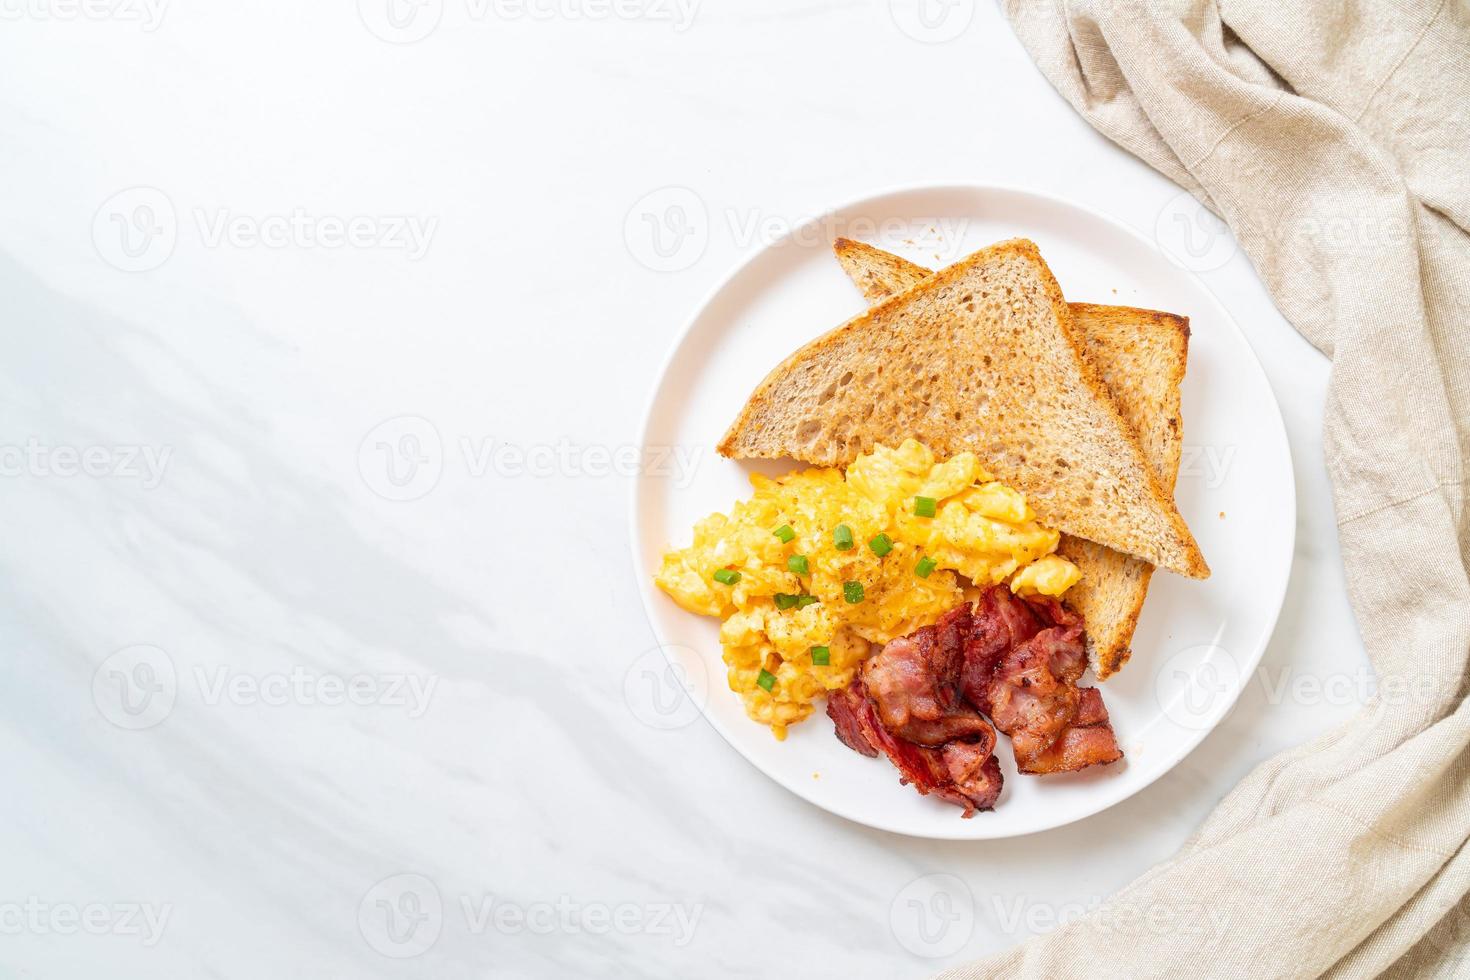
(1141,356)
(981,357)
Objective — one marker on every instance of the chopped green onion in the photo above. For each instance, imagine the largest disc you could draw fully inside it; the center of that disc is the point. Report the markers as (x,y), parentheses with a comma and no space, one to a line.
(925,506)
(786,601)
(785,533)
(842,537)
(852,592)
(821,656)
(802,601)
(925,566)
(798,564)
(726,577)
(766,680)
(881,545)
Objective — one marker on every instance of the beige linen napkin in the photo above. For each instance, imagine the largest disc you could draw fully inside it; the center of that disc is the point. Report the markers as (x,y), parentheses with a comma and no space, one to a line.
(1334,138)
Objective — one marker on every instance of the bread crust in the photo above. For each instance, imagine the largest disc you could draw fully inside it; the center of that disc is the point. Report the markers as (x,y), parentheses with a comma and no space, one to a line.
(1114,586)
(1172,544)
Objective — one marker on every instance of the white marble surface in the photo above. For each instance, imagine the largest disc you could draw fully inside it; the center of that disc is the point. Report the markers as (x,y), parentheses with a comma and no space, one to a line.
(349,687)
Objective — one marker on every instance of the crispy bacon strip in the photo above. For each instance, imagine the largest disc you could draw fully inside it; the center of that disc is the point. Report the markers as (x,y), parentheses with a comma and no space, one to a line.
(914,683)
(1001,621)
(964,773)
(849,711)
(1022,663)
(974,774)
(1018,660)
(1088,741)
(1031,699)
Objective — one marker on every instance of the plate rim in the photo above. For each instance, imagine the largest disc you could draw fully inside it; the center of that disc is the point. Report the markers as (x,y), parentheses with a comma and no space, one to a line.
(635,528)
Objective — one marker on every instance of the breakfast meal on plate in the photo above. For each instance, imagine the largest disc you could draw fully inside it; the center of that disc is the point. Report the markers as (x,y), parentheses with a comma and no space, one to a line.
(991,488)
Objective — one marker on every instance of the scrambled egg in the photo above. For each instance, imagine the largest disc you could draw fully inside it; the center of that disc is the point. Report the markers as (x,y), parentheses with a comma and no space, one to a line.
(816,566)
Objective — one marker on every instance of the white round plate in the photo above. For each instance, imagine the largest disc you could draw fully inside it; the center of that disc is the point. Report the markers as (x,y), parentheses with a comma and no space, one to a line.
(1197,642)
